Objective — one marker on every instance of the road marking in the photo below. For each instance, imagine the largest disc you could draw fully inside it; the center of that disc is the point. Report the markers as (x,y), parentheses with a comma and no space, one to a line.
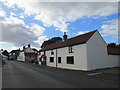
(93,74)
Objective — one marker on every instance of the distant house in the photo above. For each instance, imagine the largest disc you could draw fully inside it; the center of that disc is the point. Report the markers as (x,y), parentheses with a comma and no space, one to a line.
(6,53)
(84,52)
(21,56)
(3,57)
(14,54)
(28,54)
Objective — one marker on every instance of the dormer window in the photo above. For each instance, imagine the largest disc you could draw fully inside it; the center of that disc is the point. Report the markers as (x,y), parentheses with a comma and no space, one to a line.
(52,52)
(70,48)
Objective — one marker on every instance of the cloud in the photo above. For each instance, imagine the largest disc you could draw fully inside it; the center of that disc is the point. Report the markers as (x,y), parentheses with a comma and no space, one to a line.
(37,30)
(22,17)
(41,39)
(2,13)
(13,21)
(110,28)
(82,32)
(59,14)
(12,14)
(15,31)
(14,48)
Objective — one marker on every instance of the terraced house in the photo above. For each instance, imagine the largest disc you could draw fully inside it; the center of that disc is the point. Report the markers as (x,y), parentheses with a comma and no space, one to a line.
(84,52)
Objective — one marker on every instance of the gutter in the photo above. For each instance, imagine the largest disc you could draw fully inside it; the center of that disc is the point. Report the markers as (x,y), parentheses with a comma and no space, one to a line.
(56,58)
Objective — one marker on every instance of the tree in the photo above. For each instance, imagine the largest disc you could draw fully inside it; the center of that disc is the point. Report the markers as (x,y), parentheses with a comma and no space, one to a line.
(113,45)
(118,46)
(51,41)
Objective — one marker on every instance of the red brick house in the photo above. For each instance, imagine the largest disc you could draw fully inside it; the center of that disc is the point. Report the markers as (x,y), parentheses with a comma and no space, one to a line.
(28,54)
(31,57)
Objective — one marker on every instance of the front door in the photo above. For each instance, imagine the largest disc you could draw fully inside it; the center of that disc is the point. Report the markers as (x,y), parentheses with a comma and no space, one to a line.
(44,61)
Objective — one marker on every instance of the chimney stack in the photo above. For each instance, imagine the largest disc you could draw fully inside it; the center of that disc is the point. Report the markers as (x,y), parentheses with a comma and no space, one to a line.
(29,45)
(64,36)
(23,47)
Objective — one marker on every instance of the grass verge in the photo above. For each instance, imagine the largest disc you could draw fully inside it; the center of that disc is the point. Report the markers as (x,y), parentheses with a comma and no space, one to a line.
(2,62)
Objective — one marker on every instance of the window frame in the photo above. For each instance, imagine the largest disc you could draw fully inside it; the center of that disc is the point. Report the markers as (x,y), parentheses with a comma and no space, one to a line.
(52,60)
(70,62)
(59,59)
(52,53)
(70,49)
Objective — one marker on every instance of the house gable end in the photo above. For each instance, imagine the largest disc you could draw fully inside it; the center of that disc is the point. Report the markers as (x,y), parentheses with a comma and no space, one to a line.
(99,37)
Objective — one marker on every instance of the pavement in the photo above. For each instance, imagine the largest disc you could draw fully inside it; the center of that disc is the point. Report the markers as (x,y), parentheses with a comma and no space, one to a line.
(26,75)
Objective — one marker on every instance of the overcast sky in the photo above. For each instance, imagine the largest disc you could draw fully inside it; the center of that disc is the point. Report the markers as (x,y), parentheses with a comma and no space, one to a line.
(33,21)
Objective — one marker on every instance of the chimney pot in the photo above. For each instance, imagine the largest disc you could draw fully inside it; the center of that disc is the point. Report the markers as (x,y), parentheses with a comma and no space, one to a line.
(23,47)
(64,36)
(29,45)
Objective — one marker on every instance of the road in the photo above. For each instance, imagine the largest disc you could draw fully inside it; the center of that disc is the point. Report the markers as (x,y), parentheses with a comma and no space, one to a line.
(23,75)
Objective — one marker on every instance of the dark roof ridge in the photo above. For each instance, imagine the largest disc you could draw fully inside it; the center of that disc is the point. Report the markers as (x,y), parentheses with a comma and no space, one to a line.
(86,36)
(82,34)
(73,37)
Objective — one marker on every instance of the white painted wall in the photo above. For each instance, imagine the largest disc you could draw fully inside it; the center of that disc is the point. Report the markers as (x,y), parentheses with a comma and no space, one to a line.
(89,56)
(79,57)
(113,60)
(3,56)
(21,57)
(97,56)
(38,59)
(39,56)
(48,54)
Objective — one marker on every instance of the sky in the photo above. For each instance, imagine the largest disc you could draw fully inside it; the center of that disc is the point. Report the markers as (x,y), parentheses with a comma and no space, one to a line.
(24,22)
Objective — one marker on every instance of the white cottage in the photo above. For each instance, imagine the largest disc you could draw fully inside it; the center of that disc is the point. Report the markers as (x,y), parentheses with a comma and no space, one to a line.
(84,52)
(27,54)
(21,56)
(3,57)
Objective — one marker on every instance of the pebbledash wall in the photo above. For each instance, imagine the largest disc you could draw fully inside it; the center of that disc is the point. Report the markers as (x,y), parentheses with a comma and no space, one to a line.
(88,56)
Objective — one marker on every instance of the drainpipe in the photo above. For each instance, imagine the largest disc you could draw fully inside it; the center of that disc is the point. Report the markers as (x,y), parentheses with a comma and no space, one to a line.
(56,58)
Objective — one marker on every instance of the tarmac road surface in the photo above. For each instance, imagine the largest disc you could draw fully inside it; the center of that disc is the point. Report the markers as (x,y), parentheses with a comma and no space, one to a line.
(23,75)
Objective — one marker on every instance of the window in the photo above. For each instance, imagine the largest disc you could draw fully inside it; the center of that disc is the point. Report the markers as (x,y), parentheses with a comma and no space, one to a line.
(40,59)
(70,60)
(51,59)
(70,48)
(59,59)
(52,52)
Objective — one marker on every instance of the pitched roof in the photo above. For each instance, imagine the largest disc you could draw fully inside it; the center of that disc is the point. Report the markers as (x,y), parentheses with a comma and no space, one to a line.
(113,51)
(34,49)
(69,42)
(13,51)
(23,49)
(30,54)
